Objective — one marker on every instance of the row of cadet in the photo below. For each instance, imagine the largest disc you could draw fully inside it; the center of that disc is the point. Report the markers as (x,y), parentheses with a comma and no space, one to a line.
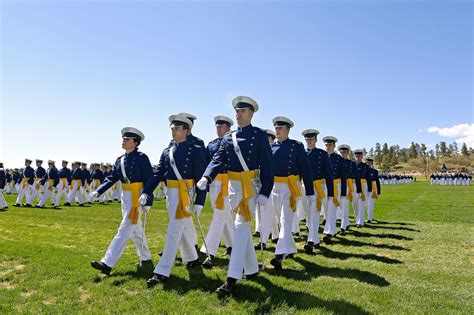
(248,172)
(447,179)
(42,184)
(391,179)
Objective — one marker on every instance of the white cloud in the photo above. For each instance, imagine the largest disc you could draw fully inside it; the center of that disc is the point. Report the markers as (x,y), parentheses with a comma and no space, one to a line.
(463,133)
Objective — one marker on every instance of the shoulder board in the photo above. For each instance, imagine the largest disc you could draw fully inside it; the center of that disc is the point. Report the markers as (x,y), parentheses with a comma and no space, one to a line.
(197,146)
(141,153)
(229,133)
(214,141)
(296,141)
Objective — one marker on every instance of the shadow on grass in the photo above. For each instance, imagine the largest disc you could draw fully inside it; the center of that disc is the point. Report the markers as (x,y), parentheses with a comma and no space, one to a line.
(328,253)
(197,281)
(383,235)
(400,228)
(394,223)
(275,296)
(345,242)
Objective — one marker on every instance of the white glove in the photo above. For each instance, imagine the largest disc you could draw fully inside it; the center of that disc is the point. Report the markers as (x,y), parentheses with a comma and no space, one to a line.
(197,210)
(262,200)
(202,183)
(94,195)
(143,199)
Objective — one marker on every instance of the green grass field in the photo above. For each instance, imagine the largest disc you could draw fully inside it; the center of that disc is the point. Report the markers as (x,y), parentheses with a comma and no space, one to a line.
(418,258)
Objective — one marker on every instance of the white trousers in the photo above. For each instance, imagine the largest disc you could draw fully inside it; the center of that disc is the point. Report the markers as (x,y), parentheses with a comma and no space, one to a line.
(370,208)
(331,210)
(221,224)
(84,193)
(23,192)
(75,193)
(361,206)
(3,202)
(243,257)
(35,192)
(62,189)
(178,236)
(47,194)
(116,191)
(313,222)
(281,200)
(345,205)
(127,231)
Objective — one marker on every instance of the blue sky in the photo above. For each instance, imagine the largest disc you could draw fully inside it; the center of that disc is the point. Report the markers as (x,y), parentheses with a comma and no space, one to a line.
(73,73)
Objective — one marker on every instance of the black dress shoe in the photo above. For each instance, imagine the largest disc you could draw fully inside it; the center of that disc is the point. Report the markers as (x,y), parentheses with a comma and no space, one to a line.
(207,263)
(289,256)
(275,240)
(192,263)
(317,245)
(27,205)
(228,251)
(324,221)
(343,232)
(67,204)
(251,276)
(256,234)
(258,247)
(17,205)
(81,205)
(327,239)
(144,262)
(156,279)
(297,234)
(370,221)
(102,267)
(358,226)
(276,262)
(228,288)
(308,248)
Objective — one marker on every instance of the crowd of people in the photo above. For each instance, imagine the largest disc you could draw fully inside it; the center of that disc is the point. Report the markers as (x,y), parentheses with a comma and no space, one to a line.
(394,179)
(248,173)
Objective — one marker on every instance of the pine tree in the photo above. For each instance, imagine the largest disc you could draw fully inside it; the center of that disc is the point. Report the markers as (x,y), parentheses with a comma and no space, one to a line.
(464,150)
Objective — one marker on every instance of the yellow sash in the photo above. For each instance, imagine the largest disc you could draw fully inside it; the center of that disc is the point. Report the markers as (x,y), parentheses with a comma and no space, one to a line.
(362,182)
(318,186)
(374,189)
(135,188)
(182,211)
(78,181)
(38,182)
(295,190)
(245,177)
(350,188)
(224,177)
(50,186)
(24,181)
(336,192)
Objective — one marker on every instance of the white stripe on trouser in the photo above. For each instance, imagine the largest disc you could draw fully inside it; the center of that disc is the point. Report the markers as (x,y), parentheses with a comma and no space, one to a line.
(243,257)
(313,225)
(126,231)
(47,194)
(330,227)
(361,206)
(370,208)
(62,189)
(3,202)
(23,192)
(221,224)
(345,205)
(281,200)
(75,193)
(34,192)
(178,236)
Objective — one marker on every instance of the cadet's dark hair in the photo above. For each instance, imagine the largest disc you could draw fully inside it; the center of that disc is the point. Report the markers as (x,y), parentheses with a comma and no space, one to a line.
(137,141)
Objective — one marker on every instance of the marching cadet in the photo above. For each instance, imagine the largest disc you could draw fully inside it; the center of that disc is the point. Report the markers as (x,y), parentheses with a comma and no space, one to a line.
(108,194)
(222,224)
(96,176)
(266,219)
(64,175)
(49,181)
(190,136)
(133,169)
(8,181)
(15,178)
(75,187)
(36,188)
(3,183)
(353,186)
(86,180)
(290,163)
(340,188)
(374,183)
(323,183)
(26,180)
(249,157)
(360,203)
(181,164)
